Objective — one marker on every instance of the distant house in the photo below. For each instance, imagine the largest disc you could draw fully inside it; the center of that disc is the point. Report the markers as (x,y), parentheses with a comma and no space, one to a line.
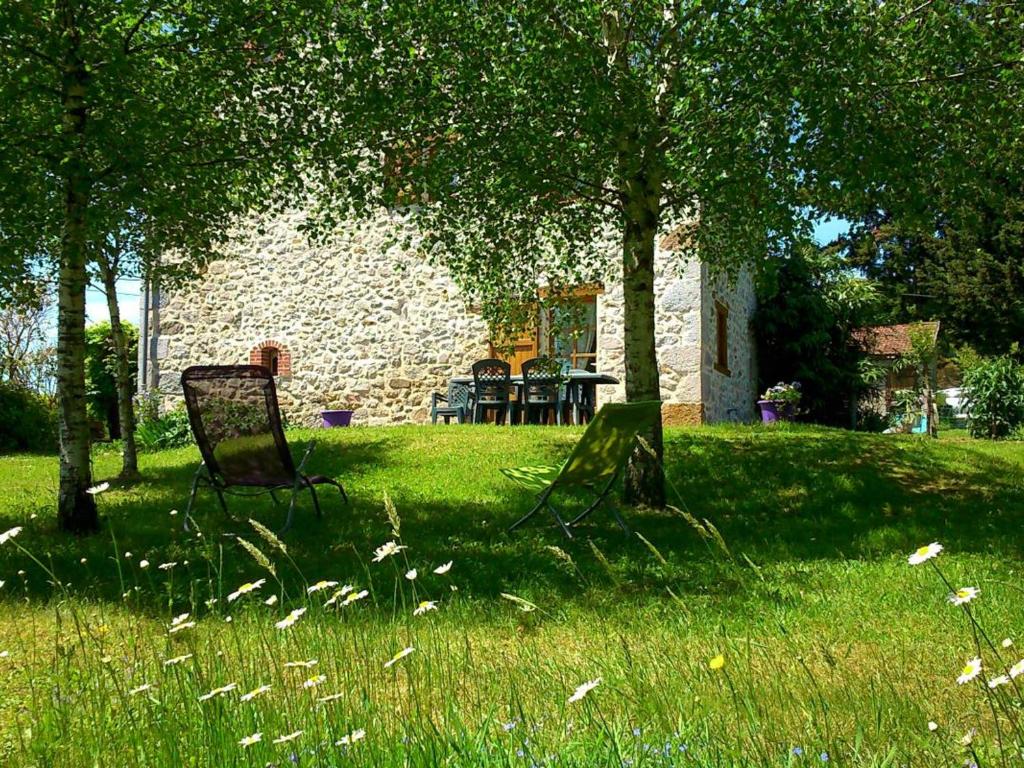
(888,346)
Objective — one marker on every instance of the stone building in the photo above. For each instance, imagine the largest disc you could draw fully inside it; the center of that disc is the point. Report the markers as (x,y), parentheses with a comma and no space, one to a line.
(367,324)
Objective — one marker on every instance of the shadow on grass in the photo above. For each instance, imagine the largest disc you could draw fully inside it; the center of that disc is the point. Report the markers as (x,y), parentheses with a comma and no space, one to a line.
(783,495)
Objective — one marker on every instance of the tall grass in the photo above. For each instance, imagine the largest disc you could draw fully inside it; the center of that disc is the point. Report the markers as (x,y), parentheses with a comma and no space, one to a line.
(391,664)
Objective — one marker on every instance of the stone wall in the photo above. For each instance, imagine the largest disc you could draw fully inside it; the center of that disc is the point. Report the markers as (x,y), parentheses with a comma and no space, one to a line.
(730,396)
(365,323)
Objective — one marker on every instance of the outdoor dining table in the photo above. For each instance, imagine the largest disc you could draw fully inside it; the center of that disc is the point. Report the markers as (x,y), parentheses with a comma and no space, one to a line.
(587,380)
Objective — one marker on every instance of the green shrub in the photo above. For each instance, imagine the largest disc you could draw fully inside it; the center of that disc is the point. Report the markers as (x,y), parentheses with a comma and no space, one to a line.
(167,430)
(994,396)
(28,421)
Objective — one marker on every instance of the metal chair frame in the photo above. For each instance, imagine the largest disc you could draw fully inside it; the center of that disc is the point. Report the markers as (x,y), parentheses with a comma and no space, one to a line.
(209,474)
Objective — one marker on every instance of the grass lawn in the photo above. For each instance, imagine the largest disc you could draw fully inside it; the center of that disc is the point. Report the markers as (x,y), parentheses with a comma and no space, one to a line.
(836,651)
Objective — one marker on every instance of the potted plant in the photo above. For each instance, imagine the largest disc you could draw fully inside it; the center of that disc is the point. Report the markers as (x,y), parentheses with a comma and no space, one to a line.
(340,416)
(779,403)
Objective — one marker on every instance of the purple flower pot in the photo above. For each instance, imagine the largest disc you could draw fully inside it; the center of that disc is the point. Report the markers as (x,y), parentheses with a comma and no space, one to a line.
(336,418)
(774,410)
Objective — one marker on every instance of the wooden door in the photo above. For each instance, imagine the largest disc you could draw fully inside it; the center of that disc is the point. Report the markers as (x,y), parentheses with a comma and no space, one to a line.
(523,348)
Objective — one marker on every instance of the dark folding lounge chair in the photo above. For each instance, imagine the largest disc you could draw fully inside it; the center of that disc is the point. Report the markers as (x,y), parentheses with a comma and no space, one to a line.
(492,381)
(456,404)
(236,422)
(594,464)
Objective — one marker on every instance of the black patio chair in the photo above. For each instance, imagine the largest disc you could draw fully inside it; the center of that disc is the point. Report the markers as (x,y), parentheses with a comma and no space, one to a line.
(236,422)
(543,390)
(492,381)
(456,404)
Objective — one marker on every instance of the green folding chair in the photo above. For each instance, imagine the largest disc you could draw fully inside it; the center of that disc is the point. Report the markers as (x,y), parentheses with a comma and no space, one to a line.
(594,464)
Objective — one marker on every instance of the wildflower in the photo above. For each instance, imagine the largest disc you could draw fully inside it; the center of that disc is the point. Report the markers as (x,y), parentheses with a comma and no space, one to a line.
(441,570)
(166,566)
(968,738)
(1007,643)
(351,738)
(921,554)
(717,663)
(174,512)
(287,737)
(181,627)
(254,693)
(143,564)
(1017,669)
(964,595)
(933,726)
(388,549)
(995,682)
(338,593)
(245,589)
(331,697)
(290,619)
(85,560)
(98,489)
(584,689)
(970,671)
(248,741)
(9,534)
(272,600)
(140,689)
(423,607)
(351,597)
(179,619)
(218,691)
(411,574)
(797,751)
(127,555)
(177,660)
(506,727)
(4,654)
(303,664)
(824,757)
(398,656)
(321,585)
(314,681)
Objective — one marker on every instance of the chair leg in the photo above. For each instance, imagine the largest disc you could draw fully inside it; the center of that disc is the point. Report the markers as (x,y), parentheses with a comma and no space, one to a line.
(316,501)
(433,417)
(192,498)
(542,501)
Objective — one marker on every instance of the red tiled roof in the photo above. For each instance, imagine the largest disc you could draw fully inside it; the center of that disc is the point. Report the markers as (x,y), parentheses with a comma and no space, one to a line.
(890,340)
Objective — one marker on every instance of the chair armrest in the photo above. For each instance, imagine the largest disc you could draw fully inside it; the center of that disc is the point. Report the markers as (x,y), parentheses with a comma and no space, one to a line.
(436,398)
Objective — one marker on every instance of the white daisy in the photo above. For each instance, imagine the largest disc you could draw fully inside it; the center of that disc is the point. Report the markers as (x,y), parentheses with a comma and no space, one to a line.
(584,689)
(933,726)
(351,597)
(249,586)
(254,693)
(98,489)
(970,671)
(423,607)
(351,738)
(290,619)
(388,549)
(964,595)
(9,534)
(441,570)
(181,627)
(398,656)
(166,566)
(143,564)
(287,737)
(179,619)
(925,553)
(1007,643)
(331,697)
(140,689)
(314,681)
(320,585)
(177,660)
(219,691)
(1017,669)
(248,741)
(271,600)
(995,682)
(411,574)
(303,664)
